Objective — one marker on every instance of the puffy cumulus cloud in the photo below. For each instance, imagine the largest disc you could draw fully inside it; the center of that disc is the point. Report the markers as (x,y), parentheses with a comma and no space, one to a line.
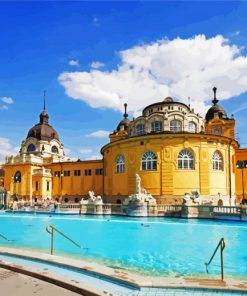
(148,73)
(74,63)
(7,100)
(99,134)
(6,149)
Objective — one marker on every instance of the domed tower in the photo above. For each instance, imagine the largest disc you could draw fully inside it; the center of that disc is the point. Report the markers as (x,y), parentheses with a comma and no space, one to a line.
(42,139)
(122,128)
(217,121)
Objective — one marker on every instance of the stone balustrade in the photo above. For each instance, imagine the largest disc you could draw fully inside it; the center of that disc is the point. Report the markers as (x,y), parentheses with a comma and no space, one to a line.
(150,210)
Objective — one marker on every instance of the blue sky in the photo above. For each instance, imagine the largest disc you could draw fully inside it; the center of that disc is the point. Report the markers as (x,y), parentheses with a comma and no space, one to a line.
(91,57)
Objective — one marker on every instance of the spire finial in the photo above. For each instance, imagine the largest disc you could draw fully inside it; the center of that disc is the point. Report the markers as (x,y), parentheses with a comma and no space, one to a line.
(215,101)
(44,98)
(125,111)
(189,102)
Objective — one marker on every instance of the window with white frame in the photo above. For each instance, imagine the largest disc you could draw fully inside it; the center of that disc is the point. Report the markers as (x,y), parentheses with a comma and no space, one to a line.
(217,161)
(140,129)
(149,161)
(120,164)
(156,126)
(192,127)
(175,125)
(186,160)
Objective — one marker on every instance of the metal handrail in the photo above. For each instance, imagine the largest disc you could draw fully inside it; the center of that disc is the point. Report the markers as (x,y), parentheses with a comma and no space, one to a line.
(51,232)
(4,237)
(220,245)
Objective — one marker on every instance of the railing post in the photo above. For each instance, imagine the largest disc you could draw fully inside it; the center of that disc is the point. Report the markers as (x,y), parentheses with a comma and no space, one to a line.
(51,231)
(222,243)
(52,240)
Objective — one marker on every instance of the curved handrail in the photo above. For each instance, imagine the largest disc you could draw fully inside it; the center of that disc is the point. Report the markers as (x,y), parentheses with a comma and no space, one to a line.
(51,232)
(220,245)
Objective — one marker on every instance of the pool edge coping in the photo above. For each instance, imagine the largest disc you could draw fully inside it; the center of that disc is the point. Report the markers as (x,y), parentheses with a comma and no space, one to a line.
(126,277)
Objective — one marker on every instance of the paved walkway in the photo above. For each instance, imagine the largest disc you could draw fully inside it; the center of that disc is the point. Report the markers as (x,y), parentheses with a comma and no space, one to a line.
(15,284)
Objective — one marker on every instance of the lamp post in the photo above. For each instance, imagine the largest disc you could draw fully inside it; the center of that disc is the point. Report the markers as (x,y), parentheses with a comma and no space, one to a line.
(242,164)
(60,182)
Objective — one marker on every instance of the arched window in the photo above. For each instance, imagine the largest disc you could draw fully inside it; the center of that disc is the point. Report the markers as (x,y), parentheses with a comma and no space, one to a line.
(120,164)
(192,127)
(175,126)
(54,149)
(31,147)
(217,161)
(140,129)
(156,126)
(17,177)
(186,160)
(149,161)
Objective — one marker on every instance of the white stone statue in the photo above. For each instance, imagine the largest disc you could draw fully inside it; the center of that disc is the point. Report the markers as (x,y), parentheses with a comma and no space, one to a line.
(138,184)
(91,196)
(94,199)
(140,196)
(187,199)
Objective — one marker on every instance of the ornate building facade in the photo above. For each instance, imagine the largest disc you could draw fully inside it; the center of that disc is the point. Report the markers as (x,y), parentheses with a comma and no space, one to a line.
(172,149)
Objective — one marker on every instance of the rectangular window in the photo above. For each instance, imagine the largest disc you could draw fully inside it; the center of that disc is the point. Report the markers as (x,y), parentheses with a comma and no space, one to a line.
(77,172)
(88,172)
(140,129)
(37,185)
(99,172)
(66,173)
(156,126)
(47,186)
(57,173)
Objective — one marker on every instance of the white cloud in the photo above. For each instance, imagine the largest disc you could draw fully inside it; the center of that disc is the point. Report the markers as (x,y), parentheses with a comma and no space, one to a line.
(74,63)
(6,149)
(85,151)
(4,107)
(97,65)
(7,100)
(148,73)
(99,134)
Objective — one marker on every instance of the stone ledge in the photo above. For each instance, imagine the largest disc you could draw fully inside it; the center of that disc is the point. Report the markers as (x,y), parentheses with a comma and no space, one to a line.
(128,278)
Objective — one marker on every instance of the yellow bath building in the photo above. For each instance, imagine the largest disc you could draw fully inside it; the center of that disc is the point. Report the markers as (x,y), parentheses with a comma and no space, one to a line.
(171,147)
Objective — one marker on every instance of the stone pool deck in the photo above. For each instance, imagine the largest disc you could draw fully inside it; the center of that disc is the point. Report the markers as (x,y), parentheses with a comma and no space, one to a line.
(17,284)
(120,275)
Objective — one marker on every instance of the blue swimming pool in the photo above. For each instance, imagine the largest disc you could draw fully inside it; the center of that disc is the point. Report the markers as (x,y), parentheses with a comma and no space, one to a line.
(154,246)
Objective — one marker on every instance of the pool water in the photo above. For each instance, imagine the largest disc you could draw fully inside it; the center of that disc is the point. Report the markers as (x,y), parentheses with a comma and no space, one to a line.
(153,246)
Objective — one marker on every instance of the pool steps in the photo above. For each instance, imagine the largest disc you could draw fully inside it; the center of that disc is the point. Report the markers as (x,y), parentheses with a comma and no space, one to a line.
(123,277)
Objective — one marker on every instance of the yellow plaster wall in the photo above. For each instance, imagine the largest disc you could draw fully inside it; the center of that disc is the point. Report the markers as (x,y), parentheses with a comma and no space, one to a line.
(76,185)
(168,179)
(241,179)
(71,186)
